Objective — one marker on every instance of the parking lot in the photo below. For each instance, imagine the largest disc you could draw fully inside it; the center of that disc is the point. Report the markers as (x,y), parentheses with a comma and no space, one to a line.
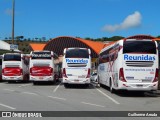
(47,97)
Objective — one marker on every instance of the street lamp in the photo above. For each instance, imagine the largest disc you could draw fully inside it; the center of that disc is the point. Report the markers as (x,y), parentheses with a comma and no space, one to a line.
(13,5)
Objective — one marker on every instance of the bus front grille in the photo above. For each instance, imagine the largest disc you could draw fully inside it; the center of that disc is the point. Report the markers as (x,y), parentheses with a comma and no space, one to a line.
(10,66)
(139,63)
(42,64)
(76,65)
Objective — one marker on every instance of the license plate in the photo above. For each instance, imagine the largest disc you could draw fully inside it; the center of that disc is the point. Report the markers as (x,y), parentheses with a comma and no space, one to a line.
(76,80)
(146,80)
(139,85)
(80,77)
(41,78)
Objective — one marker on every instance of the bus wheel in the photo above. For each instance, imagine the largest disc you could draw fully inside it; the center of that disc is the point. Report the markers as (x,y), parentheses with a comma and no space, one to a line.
(65,85)
(98,83)
(11,81)
(53,82)
(111,87)
(86,85)
(34,82)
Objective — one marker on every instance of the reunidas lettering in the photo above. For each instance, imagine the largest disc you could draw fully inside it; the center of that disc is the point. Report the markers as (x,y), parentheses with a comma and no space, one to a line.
(142,57)
(76,61)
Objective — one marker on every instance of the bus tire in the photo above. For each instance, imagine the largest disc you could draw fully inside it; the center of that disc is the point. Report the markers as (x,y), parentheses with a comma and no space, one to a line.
(53,82)
(98,82)
(87,85)
(11,81)
(66,85)
(101,85)
(111,87)
(34,82)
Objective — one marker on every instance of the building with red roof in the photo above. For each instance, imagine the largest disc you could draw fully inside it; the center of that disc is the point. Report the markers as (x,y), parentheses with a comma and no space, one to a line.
(58,44)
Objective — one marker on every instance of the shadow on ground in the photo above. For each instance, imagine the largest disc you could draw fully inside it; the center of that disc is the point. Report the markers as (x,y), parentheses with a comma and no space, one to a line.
(125,93)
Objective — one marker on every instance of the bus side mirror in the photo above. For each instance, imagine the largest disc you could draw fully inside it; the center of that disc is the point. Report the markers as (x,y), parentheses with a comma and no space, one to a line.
(64,52)
(89,51)
(1,56)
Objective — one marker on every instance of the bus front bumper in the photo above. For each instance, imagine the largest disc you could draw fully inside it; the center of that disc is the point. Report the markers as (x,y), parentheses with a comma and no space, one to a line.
(139,86)
(76,81)
(41,78)
(16,78)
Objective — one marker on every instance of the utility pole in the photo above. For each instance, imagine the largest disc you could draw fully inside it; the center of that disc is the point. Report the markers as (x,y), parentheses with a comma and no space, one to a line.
(13,5)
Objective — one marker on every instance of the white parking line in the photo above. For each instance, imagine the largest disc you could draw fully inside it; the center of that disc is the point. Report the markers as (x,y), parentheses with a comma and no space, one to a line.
(116,102)
(7,106)
(30,93)
(24,85)
(57,98)
(9,90)
(56,88)
(92,104)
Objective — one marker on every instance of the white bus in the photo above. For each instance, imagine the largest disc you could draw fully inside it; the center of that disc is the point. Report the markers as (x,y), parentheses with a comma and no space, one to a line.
(43,66)
(129,64)
(76,66)
(14,67)
(0,67)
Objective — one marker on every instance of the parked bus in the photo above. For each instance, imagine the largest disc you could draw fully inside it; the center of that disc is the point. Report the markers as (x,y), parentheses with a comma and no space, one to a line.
(76,66)
(43,66)
(0,67)
(129,64)
(14,67)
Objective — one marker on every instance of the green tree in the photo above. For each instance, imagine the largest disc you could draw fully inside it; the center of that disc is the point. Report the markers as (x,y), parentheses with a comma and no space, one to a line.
(115,38)
(104,38)
(36,39)
(20,37)
(29,39)
(43,39)
(87,38)
(158,36)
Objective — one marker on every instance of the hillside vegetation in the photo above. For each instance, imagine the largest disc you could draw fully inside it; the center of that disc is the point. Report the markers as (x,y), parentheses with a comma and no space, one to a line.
(23,43)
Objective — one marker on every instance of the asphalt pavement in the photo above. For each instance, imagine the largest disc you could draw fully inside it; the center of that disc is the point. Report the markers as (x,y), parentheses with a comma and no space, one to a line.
(48,97)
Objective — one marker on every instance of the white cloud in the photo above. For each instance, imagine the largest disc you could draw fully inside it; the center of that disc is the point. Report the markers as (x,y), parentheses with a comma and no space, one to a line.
(8,11)
(131,21)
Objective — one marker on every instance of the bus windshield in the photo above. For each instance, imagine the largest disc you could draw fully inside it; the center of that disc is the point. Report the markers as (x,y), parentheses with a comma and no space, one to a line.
(12,57)
(77,53)
(148,47)
(41,55)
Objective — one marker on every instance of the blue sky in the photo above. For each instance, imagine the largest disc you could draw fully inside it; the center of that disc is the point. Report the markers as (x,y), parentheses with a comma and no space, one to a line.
(80,18)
